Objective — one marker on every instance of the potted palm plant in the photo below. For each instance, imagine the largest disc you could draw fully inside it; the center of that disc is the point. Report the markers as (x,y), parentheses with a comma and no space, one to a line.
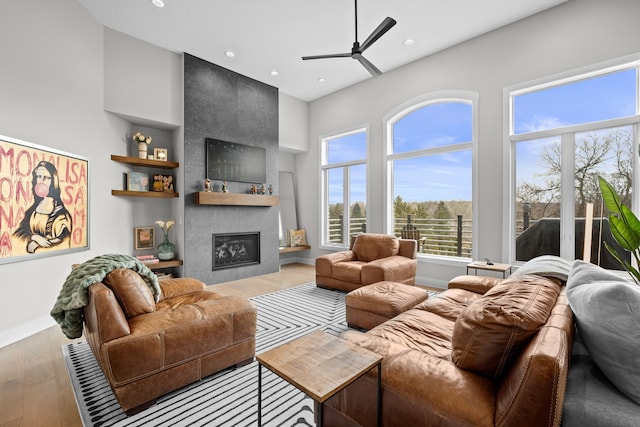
(625,229)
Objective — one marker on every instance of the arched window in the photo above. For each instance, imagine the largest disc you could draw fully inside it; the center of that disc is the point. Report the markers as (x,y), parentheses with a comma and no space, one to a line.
(430,173)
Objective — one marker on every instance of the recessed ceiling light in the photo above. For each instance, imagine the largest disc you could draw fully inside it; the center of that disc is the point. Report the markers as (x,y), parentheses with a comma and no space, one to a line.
(230,54)
(408,42)
(322,80)
(157,3)
(274,73)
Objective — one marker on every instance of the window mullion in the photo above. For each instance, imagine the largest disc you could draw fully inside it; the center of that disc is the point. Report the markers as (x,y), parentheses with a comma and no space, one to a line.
(567,200)
(346,214)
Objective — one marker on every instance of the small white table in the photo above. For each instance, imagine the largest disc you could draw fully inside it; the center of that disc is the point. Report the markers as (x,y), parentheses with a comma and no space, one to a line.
(482,265)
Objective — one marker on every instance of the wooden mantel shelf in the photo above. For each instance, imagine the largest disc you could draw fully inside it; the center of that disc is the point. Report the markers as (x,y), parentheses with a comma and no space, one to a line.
(234,199)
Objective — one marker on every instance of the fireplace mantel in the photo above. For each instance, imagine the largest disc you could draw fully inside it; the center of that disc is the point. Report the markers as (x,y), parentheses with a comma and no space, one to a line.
(234,199)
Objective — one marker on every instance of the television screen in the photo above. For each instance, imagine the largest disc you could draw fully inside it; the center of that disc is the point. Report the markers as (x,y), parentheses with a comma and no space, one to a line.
(235,162)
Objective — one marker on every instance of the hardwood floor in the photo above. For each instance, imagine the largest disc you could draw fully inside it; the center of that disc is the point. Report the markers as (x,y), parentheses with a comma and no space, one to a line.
(34,384)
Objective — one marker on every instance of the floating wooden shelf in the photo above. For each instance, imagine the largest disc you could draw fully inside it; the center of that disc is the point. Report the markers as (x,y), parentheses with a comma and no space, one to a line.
(286,249)
(135,161)
(155,194)
(234,199)
(165,264)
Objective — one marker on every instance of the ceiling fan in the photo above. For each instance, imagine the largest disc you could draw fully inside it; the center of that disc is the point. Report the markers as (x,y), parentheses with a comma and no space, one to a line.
(358,49)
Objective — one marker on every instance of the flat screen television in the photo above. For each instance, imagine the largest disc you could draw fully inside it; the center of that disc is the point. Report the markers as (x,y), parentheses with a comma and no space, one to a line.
(235,162)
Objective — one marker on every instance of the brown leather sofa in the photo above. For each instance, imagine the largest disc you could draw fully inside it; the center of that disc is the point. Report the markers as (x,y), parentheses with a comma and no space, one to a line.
(371,258)
(487,352)
(148,349)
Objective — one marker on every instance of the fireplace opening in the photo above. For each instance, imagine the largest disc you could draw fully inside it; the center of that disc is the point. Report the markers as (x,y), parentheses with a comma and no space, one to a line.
(235,250)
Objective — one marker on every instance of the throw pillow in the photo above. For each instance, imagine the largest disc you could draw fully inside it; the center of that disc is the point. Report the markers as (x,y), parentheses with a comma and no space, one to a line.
(298,237)
(606,307)
(371,246)
(132,292)
(495,327)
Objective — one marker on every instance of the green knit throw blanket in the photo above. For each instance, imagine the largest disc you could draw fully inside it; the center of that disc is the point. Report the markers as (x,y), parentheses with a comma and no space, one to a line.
(68,310)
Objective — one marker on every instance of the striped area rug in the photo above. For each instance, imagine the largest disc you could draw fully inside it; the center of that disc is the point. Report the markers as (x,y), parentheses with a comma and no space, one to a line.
(228,398)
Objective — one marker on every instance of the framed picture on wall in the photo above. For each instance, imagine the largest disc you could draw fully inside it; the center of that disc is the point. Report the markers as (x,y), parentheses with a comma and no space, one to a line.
(45,201)
(143,238)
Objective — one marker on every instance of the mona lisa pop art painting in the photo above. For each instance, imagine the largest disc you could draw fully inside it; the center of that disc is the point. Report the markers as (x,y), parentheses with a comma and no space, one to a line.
(44,206)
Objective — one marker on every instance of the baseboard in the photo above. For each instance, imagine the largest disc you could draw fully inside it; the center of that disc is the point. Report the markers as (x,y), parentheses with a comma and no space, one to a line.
(434,283)
(297,260)
(25,330)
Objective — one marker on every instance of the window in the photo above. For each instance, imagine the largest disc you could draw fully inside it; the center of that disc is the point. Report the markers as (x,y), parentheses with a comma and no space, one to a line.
(430,173)
(344,181)
(563,135)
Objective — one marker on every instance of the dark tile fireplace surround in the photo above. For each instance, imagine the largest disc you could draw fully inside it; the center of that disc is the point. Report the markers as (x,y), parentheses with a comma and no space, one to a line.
(224,105)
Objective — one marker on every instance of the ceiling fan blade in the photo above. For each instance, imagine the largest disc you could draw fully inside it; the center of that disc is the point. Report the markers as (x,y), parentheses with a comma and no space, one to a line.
(368,65)
(378,32)
(332,55)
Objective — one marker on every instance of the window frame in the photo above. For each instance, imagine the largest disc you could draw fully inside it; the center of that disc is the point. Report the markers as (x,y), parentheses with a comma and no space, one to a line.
(567,136)
(324,185)
(398,113)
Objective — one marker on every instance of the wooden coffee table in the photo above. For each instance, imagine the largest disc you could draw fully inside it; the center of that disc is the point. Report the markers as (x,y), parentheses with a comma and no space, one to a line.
(320,365)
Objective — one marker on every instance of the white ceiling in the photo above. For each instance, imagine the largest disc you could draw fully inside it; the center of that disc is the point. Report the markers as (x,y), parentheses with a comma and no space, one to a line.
(269,35)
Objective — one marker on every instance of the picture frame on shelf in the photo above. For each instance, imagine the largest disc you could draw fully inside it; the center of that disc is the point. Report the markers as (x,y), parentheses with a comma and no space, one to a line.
(144,238)
(161,154)
(137,181)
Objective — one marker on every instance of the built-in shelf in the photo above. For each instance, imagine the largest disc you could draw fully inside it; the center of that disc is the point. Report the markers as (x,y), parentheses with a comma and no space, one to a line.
(135,161)
(156,194)
(165,264)
(286,249)
(234,199)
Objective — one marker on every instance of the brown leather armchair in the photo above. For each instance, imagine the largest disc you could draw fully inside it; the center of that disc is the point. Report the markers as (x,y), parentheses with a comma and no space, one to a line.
(371,258)
(147,349)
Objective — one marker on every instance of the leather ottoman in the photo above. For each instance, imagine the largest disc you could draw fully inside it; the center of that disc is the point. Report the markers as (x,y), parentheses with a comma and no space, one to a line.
(371,305)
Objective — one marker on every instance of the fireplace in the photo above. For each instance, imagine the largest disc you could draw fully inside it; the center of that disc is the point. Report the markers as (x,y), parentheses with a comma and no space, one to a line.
(235,250)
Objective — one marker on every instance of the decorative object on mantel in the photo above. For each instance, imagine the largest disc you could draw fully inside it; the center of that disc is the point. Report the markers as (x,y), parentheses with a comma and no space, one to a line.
(254,189)
(207,185)
(263,189)
(270,189)
(160,154)
(225,188)
(143,144)
(166,249)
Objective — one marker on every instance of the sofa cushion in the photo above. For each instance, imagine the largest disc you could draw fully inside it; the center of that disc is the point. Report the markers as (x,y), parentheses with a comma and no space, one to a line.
(132,292)
(607,312)
(370,246)
(495,327)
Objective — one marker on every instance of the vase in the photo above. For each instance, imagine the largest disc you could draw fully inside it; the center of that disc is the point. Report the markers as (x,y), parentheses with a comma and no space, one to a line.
(166,250)
(142,150)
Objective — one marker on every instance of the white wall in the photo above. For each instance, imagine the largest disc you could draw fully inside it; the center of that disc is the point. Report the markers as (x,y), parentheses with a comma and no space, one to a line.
(51,82)
(575,34)
(52,94)
(293,116)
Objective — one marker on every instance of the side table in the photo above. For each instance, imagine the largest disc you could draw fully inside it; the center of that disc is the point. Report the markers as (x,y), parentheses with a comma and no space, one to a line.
(482,265)
(319,365)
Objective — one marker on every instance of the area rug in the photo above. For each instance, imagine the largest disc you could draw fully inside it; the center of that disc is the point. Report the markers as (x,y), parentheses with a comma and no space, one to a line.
(228,398)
